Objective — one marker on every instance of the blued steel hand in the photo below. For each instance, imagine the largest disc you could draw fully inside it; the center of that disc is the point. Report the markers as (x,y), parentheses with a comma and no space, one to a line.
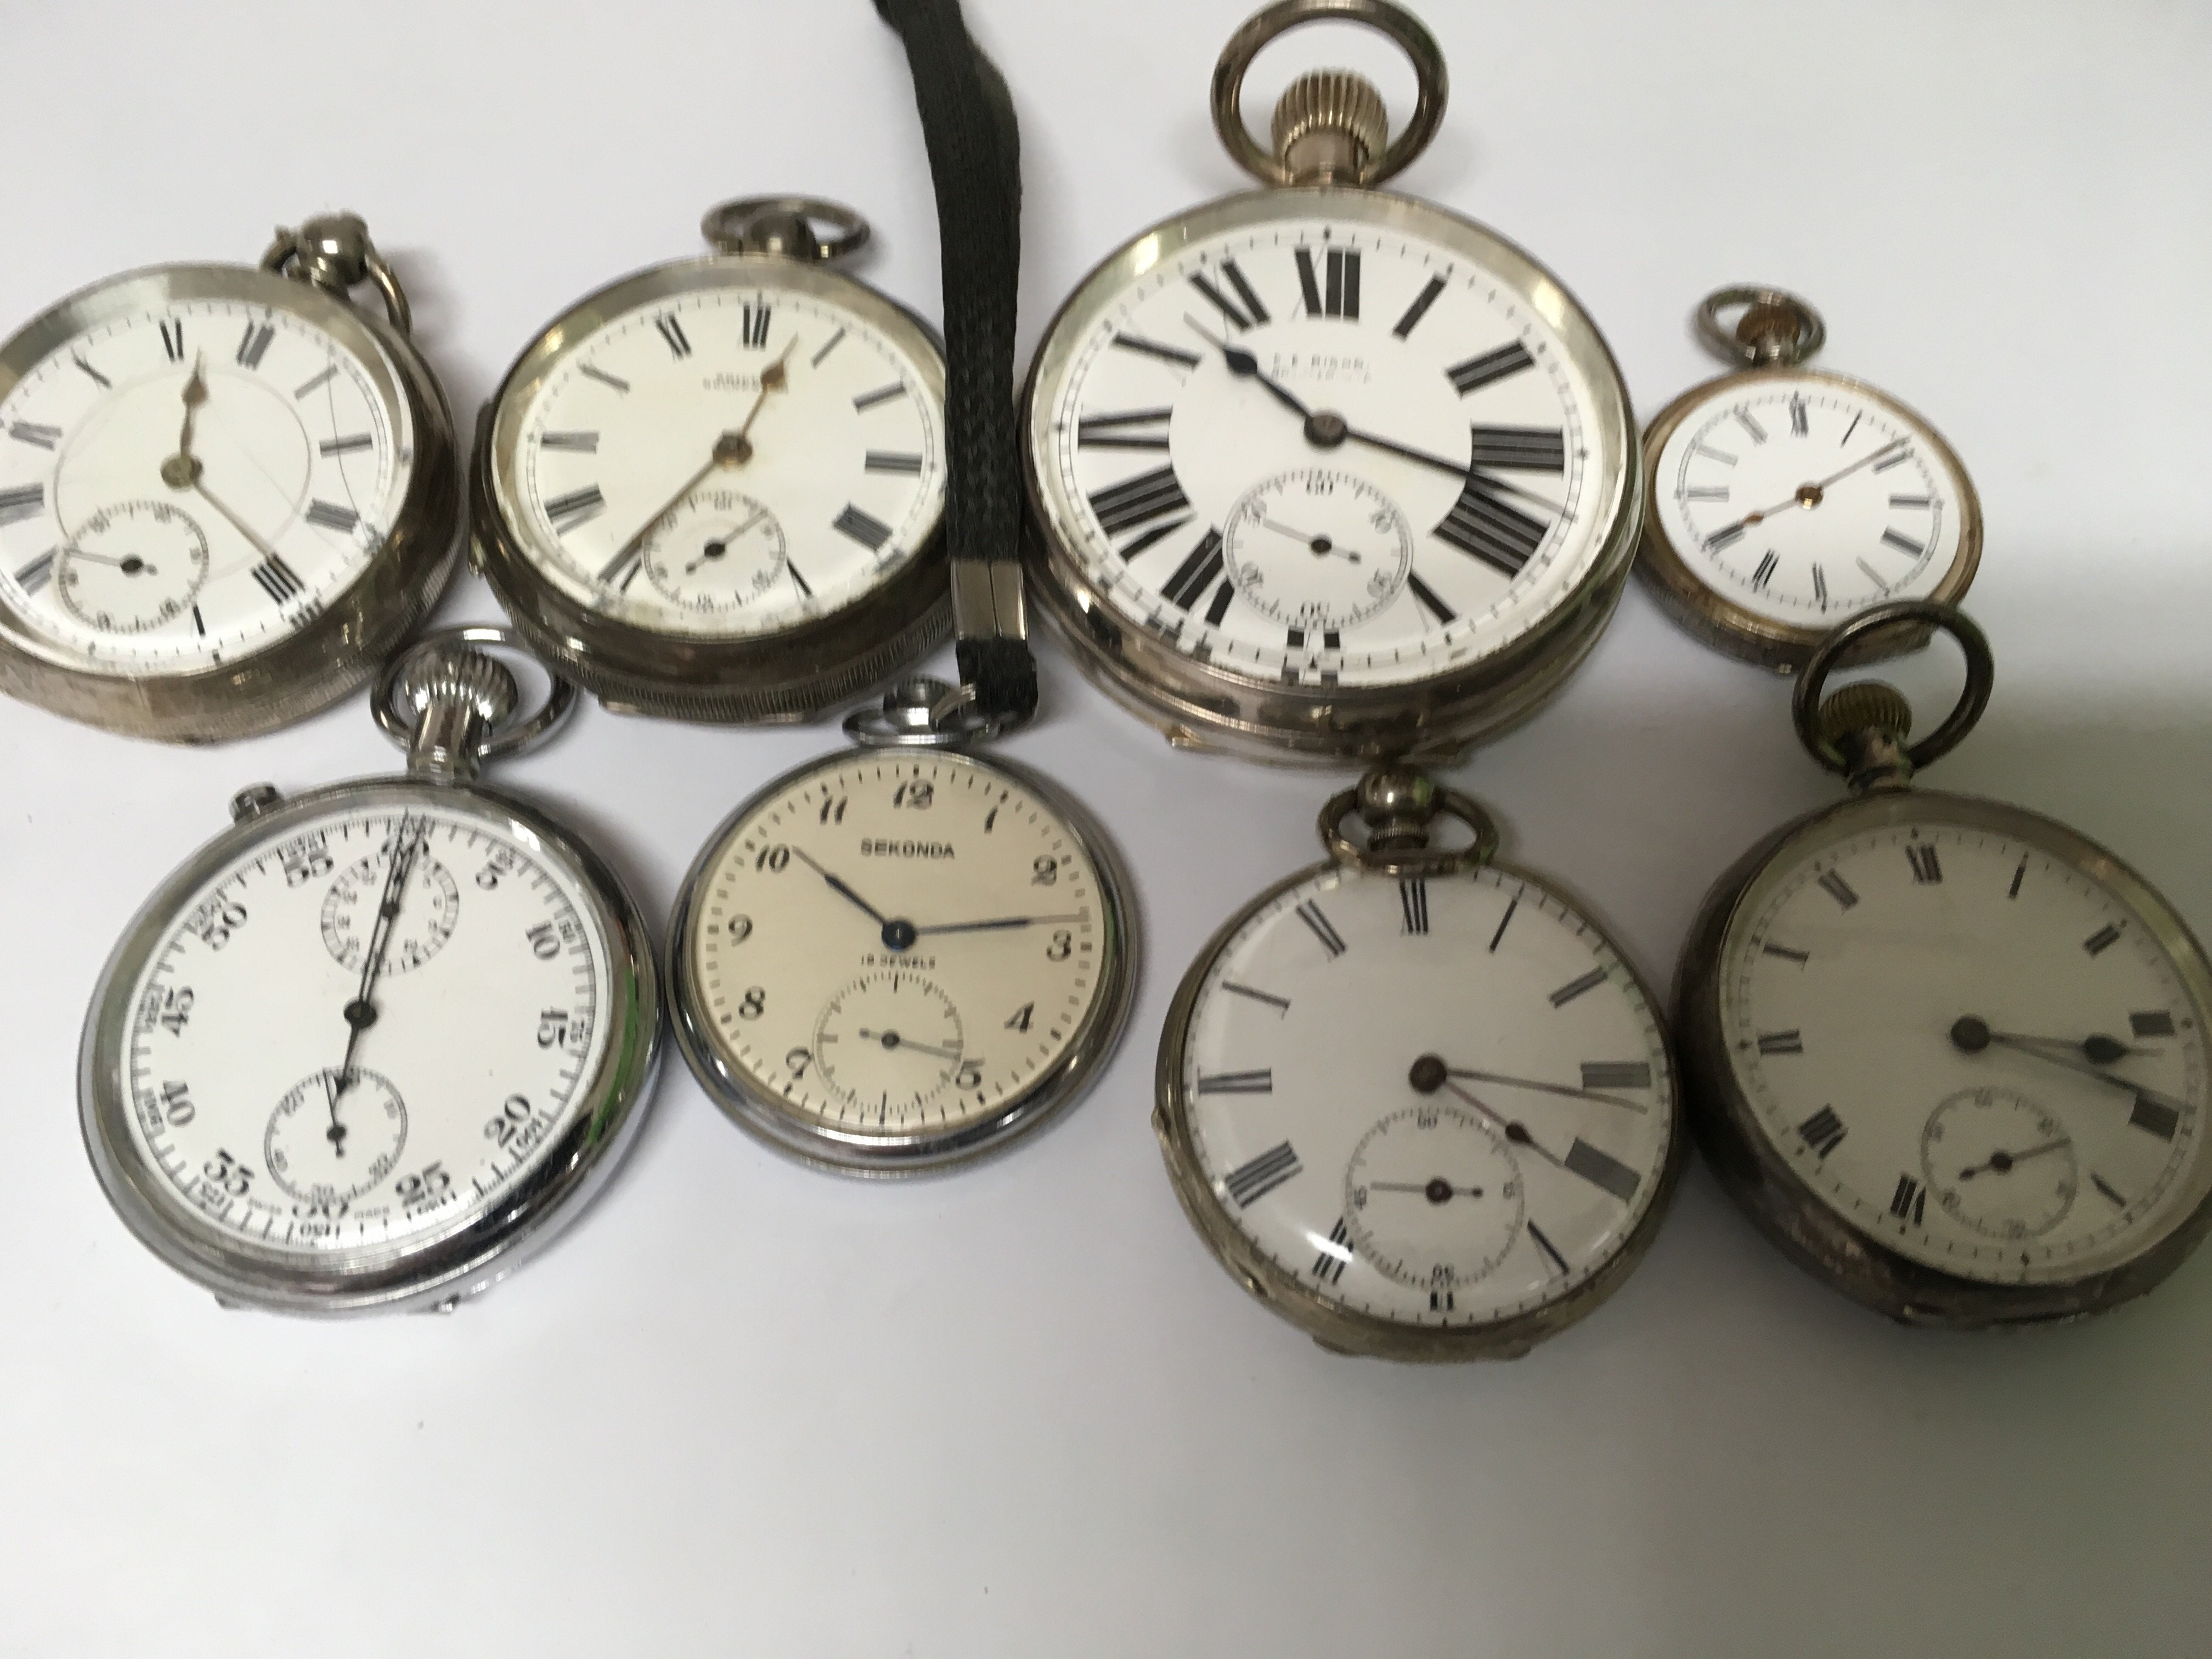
(893,1040)
(1001,921)
(842,890)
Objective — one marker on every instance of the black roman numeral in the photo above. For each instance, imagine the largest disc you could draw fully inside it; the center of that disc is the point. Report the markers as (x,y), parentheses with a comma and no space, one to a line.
(871,533)
(1616,1074)
(622,570)
(2154,1116)
(1800,419)
(828,346)
(173,339)
(2156,1025)
(1237,1082)
(1255,1180)
(1833,884)
(347,445)
(754,323)
(1166,354)
(1124,431)
(1224,597)
(1787,954)
(868,400)
(1480,371)
(1743,419)
(603,377)
(1328,1266)
(1765,573)
(885,460)
(1603,1171)
(1903,544)
(1520,449)
(1280,1005)
(1195,573)
(1823,1131)
(1140,500)
(580,443)
(254,344)
(1331,940)
(1911,500)
(277,579)
(1927,868)
(1482,526)
(1430,600)
(35,575)
(1419,308)
(1728,536)
(101,379)
(316,382)
(566,512)
(1575,987)
(1910,1201)
(24,501)
(1336,293)
(329,515)
(2102,940)
(1782,1043)
(1413,900)
(671,331)
(1237,317)
(39,437)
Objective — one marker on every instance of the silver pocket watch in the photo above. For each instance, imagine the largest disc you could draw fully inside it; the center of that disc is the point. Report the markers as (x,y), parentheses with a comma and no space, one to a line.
(1948,1054)
(1319,471)
(376,1045)
(226,493)
(1784,499)
(901,956)
(712,490)
(1415,1100)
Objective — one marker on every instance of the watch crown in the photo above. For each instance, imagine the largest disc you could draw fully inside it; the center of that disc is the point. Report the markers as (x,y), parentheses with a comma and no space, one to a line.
(459,678)
(1330,127)
(1867,725)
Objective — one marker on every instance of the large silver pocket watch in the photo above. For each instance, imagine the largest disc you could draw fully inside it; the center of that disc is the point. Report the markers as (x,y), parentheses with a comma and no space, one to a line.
(901,956)
(1415,1100)
(376,1045)
(713,490)
(1319,471)
(1949,1056)
(1784,500)
(226,494)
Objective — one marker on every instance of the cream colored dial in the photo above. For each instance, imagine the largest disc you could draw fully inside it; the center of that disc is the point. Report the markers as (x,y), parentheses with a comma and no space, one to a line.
(897,948)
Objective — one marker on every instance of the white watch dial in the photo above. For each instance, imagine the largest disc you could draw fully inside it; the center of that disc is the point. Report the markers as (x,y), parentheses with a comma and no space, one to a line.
(898,946)
(725,462)
(1438,1103)
(186,485)
(292,1111)
(1437,405)
(1801,498)
(1968,1046)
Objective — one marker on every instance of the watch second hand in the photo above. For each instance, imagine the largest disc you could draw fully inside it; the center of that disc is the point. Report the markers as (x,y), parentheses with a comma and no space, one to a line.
(1546,1088)
(893,1040)
(2003,1162)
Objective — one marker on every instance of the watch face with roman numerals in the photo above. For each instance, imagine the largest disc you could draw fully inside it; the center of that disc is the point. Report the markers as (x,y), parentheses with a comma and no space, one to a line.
(1443,1104)
(891,959)
(1798,498)
(1355,442)
(186,483)
(1974,1037)
(723,449)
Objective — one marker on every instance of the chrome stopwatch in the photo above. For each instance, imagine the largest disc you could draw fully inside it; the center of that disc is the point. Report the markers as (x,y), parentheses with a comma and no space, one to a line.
(376,1045)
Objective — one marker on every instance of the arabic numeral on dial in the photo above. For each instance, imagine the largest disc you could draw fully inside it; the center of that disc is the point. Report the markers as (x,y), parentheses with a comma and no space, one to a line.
(1022,1016)
(214,922)
(503,1129)
(500,863)
(753,1003)
(796,1062)
(1062,946)
(917,793)
(306,859)
(773,858)
(1044,871)
(426,1185)
(552,1028)
(176,1104)
(545,943)
(833,809)
(971,1074)
(171,1007)
(739,928)
(227,1175)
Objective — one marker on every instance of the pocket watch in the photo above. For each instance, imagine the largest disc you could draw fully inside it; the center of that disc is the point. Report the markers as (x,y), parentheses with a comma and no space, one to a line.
(1415,1100)
(1784,500)
(1949,1056)
(900,955)
(712,490)
(225,495)
(1322,470)
(375,1046)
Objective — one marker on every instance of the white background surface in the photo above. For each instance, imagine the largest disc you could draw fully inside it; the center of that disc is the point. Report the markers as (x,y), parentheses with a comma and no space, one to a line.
(745,1408)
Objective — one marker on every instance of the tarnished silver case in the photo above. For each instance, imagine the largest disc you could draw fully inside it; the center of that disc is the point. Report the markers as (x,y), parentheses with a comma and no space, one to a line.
(793,676)
(1198,705)
(338,650)
(755,1106)
(1335,1327)
(1788,1211)
(441,1273)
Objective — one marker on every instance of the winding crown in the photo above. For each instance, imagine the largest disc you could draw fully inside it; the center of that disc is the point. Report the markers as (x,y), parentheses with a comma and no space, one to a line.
(1869,706)
(462,678)
(1329,125)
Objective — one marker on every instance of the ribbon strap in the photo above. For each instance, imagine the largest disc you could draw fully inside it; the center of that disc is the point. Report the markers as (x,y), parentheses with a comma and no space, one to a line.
(974,162)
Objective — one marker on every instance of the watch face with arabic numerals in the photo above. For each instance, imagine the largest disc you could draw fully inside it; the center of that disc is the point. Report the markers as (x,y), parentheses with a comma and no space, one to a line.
(1974,1037)
(723,449)
(1440,1104)
(891,958)
(358,1032)
(1330,438)
(187,481)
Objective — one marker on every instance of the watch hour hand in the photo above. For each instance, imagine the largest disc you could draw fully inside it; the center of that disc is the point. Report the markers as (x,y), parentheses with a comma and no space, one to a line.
(1245,367)
(842,892)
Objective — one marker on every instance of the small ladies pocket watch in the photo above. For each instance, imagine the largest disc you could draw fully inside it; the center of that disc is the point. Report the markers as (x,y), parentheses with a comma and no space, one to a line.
(1783,501)
(1322,470)
(225,495)
(901,956)
(712,490)
(1950,1055)
(375,1046)
(1414,1100)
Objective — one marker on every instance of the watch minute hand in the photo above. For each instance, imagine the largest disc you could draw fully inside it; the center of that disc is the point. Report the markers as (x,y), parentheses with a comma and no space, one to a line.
(997,923)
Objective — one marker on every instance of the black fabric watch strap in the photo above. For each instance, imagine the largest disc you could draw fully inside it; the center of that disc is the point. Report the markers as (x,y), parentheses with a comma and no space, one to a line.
(974,162)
